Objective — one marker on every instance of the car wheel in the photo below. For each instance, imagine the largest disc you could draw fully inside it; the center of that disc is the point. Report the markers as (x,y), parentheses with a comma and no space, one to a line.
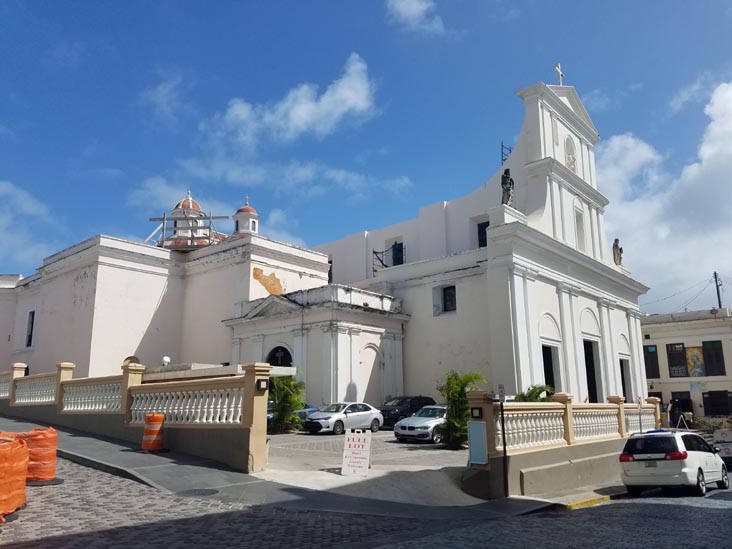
(338,428)
(701,486)
(634,491)
(724,483)
(374,425)
(436,436)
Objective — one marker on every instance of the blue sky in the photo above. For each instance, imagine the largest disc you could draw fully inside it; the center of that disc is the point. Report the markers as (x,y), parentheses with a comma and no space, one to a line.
(336,117)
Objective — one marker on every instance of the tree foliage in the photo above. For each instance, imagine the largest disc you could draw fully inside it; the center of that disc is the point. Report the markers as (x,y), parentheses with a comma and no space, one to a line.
(287,393)
(455,392)
(534,394)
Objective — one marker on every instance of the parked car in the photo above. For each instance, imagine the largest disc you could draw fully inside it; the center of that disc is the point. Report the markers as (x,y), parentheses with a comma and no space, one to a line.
(306,411)
(404,406)
(344,415)
(270,411)
(671,458)
(422,425)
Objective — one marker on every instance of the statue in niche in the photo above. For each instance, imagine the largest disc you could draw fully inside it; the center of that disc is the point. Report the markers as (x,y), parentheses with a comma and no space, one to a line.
(617,252)
(507,186)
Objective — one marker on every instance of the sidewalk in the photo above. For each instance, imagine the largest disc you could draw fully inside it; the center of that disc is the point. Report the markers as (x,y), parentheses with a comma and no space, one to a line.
(185,475)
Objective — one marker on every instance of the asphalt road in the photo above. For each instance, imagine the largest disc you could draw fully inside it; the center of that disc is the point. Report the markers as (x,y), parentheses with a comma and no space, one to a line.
(94,509)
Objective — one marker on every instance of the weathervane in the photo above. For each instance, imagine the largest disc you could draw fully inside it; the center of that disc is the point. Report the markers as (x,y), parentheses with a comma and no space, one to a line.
(560,74)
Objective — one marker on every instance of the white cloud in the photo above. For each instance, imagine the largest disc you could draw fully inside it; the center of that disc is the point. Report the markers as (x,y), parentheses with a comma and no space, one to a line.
(7,133)
(673,228)
(599,100)
(21,214)
(696,92)
(415,15)
(66,55)
(302,111)
(280,225)
(166,99)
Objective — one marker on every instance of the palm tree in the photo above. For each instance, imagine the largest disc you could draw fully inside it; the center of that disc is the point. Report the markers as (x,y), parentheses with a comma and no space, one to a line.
(455,392)
(534,392)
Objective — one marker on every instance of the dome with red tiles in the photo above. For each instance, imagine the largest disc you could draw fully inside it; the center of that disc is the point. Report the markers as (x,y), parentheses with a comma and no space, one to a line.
(246,208)
(187,204)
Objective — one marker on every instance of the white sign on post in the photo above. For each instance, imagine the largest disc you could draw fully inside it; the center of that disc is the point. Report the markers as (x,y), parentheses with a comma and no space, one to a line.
(356,453)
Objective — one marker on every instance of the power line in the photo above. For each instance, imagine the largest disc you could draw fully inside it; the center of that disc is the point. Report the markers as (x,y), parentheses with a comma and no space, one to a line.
(674,295)
(697,295)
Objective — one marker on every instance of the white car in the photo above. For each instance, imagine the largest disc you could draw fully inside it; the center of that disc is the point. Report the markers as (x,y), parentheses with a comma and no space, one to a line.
(344,415)
(671,458)
(422,425)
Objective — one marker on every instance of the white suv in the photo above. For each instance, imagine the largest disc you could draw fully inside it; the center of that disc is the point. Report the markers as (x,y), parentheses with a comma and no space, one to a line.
(671,458)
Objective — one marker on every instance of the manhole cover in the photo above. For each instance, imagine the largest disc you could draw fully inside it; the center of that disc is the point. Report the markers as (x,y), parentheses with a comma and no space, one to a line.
(198,492)
(51,482)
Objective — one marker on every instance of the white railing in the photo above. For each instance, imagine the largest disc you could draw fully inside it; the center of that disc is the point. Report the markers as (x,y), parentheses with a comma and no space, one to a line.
(5,380)
(589,424)
(528,428)
(647,419)
(37,389)
(93,395)
(191,403)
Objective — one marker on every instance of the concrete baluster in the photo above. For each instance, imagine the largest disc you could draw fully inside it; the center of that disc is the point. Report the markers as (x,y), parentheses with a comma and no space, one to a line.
(568,419)
(620,402)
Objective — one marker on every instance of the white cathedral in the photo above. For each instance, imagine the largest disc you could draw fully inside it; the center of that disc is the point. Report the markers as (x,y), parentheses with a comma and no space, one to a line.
(519,284)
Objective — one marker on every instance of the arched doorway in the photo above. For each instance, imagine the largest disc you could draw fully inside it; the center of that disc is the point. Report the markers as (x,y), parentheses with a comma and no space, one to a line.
(279,356)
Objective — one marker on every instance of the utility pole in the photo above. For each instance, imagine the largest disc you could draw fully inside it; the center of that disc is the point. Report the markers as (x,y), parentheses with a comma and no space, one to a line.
(718,284)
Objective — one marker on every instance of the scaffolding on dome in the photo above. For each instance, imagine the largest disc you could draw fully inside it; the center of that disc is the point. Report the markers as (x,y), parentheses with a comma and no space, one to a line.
(184,233)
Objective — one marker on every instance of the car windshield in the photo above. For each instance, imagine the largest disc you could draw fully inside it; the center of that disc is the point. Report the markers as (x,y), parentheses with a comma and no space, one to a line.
(397,402)
(334,408)
(650,445)
(431,412)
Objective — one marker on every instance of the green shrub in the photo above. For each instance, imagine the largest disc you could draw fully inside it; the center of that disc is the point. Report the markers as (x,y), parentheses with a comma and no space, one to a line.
(534,392)
(455,392)
(287,393)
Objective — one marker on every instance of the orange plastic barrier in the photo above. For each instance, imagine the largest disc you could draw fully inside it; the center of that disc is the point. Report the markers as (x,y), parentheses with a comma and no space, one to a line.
(152,437)
(13,469)
(42,445)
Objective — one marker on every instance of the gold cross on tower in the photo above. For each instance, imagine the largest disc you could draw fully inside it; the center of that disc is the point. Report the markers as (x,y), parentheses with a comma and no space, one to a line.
(560,74)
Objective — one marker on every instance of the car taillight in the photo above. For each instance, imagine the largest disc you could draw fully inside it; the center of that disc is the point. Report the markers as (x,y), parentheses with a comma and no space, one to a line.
(625,458)
(676,456)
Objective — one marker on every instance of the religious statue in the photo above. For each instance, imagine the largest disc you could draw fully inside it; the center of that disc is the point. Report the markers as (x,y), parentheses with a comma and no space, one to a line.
(507,186)
(617,252)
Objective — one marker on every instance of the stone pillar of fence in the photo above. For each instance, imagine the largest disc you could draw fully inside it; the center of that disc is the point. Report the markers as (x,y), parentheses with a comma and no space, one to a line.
(483,400)
(568,418)
(656,409)
(619,401)
(64,372)
(254,413)
(132,376)
(18,371)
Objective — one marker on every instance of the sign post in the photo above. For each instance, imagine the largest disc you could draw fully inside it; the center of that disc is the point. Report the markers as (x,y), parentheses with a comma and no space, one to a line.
(356,453)
(639,401)
(502,398)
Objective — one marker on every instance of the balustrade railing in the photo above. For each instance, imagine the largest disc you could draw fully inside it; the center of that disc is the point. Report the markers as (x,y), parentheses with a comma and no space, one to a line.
(633,424)
(36,389)
(206,403)
(595,421)
(5,380)
(93,395)
(531,425)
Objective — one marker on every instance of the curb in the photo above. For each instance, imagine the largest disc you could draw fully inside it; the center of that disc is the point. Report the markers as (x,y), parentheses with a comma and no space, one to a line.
(591,502)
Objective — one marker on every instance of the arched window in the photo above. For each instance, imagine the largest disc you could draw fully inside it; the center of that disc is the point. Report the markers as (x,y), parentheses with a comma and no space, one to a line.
(570,154)
(279,356)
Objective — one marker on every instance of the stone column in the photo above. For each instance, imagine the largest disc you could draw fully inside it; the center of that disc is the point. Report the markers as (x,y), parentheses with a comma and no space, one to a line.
(570,348)
(656,409)
(299,344)
(18,371)
(620,402)
(612,386)
(235,351)
(254,413)
(566,399)
(637,364)
(257,348)
(328,364)
(132,377)
(64,371)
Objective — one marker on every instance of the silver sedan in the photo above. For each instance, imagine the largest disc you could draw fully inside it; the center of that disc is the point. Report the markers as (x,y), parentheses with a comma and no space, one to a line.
(422,425)
(340,416)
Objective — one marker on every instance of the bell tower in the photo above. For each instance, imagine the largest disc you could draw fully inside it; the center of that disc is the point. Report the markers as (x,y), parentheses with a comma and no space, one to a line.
(246,219)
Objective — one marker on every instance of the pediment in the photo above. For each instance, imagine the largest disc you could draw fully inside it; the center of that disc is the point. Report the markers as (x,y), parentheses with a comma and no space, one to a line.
(272,306)
(568,96)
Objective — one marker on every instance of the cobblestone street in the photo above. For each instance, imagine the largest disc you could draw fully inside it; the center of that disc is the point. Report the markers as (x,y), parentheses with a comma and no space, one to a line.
(94,509)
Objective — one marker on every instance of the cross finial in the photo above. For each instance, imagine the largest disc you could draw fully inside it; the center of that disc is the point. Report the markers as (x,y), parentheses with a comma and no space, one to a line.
(246,200)
(560,74)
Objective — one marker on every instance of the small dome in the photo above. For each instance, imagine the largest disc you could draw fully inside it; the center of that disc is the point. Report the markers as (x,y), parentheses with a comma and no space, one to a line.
(187,204)
(246,208)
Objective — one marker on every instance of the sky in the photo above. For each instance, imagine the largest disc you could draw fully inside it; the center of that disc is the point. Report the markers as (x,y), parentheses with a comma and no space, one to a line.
(338,117)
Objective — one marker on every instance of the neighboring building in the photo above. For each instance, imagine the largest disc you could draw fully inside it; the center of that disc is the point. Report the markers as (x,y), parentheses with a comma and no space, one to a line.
(517,283)
(688,358)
